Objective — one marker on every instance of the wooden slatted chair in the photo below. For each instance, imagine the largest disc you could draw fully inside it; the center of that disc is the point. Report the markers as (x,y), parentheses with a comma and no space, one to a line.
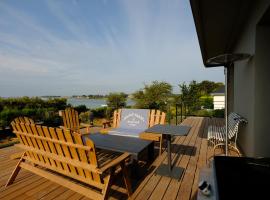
(71,121)
(155,117)
(61,157)
(21,119)
(216,134)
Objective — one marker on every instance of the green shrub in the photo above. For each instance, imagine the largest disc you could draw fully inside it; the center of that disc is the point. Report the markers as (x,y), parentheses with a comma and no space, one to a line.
(7,115)
(220,113)
(99,112)
(207,102)
(35,102)
(35,108)
(84,117)
(52,120)
(28,112)
(81,108)
(203,113)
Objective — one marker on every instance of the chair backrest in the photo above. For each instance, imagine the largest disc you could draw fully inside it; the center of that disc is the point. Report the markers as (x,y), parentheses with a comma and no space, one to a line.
(234,121)
(60,151)
(154,117)
(24,119)
(70,119)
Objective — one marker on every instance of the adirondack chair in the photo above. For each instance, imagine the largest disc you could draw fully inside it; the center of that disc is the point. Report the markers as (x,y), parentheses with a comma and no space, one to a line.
(61,157)
(71,121)
(25,120)
(154,117)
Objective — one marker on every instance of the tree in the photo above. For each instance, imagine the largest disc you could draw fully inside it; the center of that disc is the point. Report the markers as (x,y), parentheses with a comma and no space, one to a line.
(153,96)
(207,87)
(190,95)
(116,100)
(195,95)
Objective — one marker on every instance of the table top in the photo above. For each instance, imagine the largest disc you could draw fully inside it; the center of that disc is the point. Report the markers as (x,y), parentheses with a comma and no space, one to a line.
(179,130)
(119,143)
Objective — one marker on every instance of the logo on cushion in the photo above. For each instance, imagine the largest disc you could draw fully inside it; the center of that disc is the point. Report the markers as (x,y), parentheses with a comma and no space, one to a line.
(133,119)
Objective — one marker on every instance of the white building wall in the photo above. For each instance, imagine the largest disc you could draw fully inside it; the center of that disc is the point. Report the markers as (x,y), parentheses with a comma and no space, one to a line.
(219,102)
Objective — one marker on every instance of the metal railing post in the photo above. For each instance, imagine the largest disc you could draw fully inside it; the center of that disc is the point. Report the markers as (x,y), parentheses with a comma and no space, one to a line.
(181,112)
(169,113)
(176,114)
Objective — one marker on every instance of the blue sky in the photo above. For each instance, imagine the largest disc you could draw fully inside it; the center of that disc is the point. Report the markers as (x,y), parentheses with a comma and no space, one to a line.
(64,47)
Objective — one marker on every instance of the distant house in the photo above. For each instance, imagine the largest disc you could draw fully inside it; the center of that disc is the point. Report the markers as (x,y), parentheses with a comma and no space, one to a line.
(219,98)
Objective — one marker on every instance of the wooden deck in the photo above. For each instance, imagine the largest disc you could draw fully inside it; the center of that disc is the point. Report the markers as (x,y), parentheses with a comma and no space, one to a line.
(190,152)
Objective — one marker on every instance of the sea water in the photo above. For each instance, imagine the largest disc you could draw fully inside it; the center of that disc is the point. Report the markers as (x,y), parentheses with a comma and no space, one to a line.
(92,103)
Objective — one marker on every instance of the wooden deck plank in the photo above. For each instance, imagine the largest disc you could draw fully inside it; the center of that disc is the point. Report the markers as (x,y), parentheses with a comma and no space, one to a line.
(22,175)
(175,184)
(76,196)
(55,193)
(41,190)
(184,152)
(150,188)
(17,184)
(66,195)
(188,179)
(202,161)
(17,194)
(164,182)
(156,163)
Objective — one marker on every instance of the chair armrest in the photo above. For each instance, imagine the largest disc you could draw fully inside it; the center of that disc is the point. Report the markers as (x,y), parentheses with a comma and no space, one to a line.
(151,136)
(115,162)
(86,125)
(105,130)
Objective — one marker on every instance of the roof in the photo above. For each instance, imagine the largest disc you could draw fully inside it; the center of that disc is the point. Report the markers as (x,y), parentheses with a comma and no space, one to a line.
(219,24)
(220,91)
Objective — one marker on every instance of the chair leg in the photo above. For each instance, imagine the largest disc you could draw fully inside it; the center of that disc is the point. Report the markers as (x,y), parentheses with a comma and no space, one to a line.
(214,150)
(160,145)
(218,145)
(126,179)
(235,148)
(15,172)
(108,182)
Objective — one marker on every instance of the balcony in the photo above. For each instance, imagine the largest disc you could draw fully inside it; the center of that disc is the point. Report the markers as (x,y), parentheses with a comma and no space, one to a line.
(190,152)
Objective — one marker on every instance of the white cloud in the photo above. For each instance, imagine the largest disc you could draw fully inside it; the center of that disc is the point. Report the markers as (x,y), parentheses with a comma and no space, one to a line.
(96,55)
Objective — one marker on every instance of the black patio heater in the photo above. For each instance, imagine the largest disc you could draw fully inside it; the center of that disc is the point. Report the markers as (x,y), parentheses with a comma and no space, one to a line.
(227,60)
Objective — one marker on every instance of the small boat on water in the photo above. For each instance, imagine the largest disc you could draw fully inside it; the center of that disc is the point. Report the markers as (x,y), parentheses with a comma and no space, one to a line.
(103,105)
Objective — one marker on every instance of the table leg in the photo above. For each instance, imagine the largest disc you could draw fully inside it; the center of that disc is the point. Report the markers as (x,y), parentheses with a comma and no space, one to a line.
(168,170)
(151,151)
(169,152)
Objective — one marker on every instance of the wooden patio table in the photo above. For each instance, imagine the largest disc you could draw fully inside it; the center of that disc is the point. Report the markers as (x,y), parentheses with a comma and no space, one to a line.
(135,146)
(168,131)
